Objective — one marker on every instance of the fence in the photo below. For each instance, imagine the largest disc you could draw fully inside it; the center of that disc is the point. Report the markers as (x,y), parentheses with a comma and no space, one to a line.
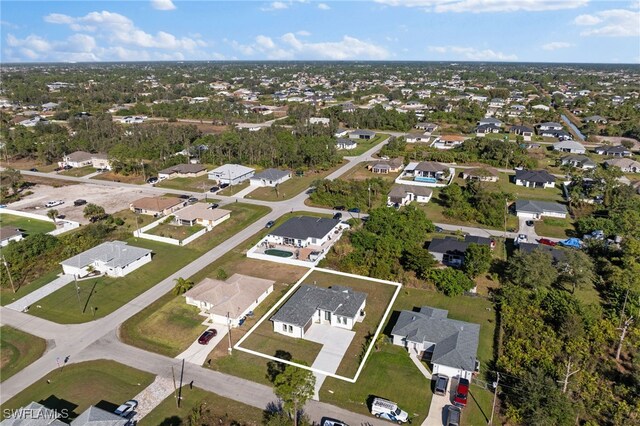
(65,225)
(141,233)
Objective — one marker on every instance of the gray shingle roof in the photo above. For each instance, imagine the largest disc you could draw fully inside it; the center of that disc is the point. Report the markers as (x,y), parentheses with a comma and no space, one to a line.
(535,206)
(537,176)
(38,415)
(448,245)
(431,166)
(94,416)
(303,227)
(7,232)
(556,253)
(363,132)
(456,342)
(271,174)
(113,253)
(300,307)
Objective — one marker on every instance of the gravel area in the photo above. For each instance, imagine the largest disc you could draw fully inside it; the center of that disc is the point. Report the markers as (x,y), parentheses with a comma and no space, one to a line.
(113,199)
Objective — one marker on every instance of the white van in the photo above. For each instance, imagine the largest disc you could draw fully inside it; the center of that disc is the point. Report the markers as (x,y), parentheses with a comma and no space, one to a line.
(388,410)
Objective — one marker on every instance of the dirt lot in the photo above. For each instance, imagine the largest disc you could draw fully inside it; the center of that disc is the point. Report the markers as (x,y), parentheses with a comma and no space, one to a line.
(111,198)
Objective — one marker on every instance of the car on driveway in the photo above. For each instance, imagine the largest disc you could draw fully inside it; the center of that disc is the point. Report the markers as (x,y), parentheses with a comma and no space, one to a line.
(214,205)
(269,224)
(33,169)
(192,200)
(207,336)
(223,185)
(354,210)
(462,391)
(339,208)
(126,409)
(337,215)
(522,238)
(547,242)
(442,382)
(54,203)
(184,196)
(214,189)
(453,416)
(152,180)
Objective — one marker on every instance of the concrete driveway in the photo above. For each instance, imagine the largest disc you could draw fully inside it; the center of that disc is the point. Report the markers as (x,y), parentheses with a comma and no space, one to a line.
(335,342)
(439,406)
(197,353)
(529,231)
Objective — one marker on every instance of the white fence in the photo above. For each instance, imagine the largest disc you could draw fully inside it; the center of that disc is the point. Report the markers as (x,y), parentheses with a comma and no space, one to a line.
(142,234)
(252,253)
(64,224)
(401,180)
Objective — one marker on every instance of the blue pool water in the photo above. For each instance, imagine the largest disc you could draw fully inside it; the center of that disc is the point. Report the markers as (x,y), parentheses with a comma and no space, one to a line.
(425,179)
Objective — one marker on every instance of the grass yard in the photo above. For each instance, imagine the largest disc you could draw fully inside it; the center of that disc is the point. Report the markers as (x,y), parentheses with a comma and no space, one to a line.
(103,295)
(196,184)
(434,212)
(389,374)
(8,296)
(504,184)
(28,163)
(29,226)
(234,189)
(291,187)
(105,384)
(364,145)
(17,350)
(554,227)
(478,409)
(360,172)
(177,232)
(218,409)
(116,177)
(79,171)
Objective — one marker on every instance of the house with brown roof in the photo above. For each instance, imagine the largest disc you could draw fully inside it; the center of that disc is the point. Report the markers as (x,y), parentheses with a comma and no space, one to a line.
(201,214)
(227,302)
(386,166)
(157,206)
(447,141)
(83,159)
(182,171)
(481,174)
(401,195)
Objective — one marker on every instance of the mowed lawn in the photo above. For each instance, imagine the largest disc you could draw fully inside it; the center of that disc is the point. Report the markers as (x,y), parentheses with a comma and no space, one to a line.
(101,296)
(554,227)
(215,408)
(196,184)
(25,224)
(389,374)
(363,145)
(177,232)
(79,171)
(360,172)
(17,350)
(105,384)
(8,296)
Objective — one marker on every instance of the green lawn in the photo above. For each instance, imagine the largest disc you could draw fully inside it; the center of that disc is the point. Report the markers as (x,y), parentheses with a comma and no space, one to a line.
(478,409)
(79,171)
(234,189)
(434,212)
(364,145)
(197,184)
(505,184)
(360,172)
(177,232)
(554,227)
(106,384)
(29,226)
(103,295)
(8,296)
(218,409)
(17,350)
(389,374)
(265,341)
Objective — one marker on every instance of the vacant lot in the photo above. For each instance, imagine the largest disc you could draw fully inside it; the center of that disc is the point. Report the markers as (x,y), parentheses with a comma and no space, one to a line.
(435,213)
(364,145)
(25,224)
(197,184)
(115,177)
(105,384)
(79,171)
(113,199)
(17,350)
(177,232)
(360,172)
(216,408)
(8,296)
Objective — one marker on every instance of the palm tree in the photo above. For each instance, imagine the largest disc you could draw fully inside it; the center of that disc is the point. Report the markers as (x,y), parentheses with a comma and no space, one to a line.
(52,213)
(182,286)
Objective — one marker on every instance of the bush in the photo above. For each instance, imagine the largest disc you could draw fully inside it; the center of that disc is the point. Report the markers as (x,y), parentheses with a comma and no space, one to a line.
(451,282)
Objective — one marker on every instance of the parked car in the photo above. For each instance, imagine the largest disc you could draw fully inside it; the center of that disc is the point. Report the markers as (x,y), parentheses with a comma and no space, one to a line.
(67,167)
(453,416)
(57,169)
(126,409)
(547,242)
(462,391)
(354,210)
(385,409)
(332,422)
(214,205)
(522,238)
(442,382)
(214,189)
(439,229)
(80,202)
(339,208)
(337,215)
(529,223)
(33,169)
(183,196)
(223,185)
(54,203)
(192,200)
(269,224)
(207,336)
(152,180)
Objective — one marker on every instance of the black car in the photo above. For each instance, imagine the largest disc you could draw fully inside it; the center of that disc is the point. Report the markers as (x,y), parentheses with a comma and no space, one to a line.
(192,200)
(152,180)
(529,223)
(214,205)
(183,196)
(33,169)
(442,382)
(337,216)
(269,224)
(214,189)
(339,208)
(223,185)
(79,202)
(354,210)
(68,167)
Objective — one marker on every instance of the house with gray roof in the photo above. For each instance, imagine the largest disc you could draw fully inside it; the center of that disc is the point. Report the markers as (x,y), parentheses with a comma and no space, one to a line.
(570,146)
(8,234)
(94,416)
(450,251)
(627,165)
(113,258)
(613,150)
(534,209)
(579,161)
(534,179)
(344,143)
(401,195)
(336,306)
(362,134)
(451,346)
(270,177)
(32,414)
(303,231)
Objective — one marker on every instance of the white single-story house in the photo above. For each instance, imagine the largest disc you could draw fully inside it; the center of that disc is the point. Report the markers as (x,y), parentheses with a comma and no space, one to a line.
(201,214)
(417,137)
(303,231)
(534,179)
(320,120)
(579,161)
(613,150)
(8,234)
(541,107)
(226,302)
(534,209)
(336,306)
(384,167)
(451,346)
(270,177)
(402,195)
(362,134)
(450,251)
(524,131)
(447,141)
(550,125)
(182,171)
(427,171)
(481,174)
(570,146)
(627,165)
(341,133)
(344,143)
(490,121)
(231,174)
(113,258)
(156,206)
(83,159)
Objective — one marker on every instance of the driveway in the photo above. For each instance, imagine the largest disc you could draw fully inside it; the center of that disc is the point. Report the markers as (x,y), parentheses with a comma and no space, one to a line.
(197,353)
(529,231)
(438,408)
(31,298)
(335,342)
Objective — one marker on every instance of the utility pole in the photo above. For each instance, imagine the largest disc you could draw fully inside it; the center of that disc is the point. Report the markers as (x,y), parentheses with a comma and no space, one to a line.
(495,396)
(625,325)
(175,387)
(568,374)
(144,175)
(369,191)
(229,333)
(9,274)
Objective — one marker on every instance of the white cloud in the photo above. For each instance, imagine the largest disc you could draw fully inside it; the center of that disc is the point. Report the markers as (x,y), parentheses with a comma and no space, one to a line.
(482,6)
(472,54)
(276,5)
(610,23)
(555,45)
(265,42)
(323,6)
(303,33)
(242,48)
(163,4)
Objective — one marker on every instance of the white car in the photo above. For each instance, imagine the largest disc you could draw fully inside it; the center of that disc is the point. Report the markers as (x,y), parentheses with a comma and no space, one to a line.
(54,203)
(126,409)
(522,238)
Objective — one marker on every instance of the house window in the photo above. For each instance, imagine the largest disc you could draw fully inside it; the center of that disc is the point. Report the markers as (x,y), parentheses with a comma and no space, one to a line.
(327,315)
(284,327)
(290,329)
(289,241)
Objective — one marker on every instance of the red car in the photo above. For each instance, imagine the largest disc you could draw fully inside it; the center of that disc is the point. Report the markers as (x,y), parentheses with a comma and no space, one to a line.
(461,393)
(547,242)
(207,336)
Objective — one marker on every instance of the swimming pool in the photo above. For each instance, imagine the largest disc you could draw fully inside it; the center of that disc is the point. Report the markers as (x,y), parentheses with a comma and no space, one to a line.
(278,253)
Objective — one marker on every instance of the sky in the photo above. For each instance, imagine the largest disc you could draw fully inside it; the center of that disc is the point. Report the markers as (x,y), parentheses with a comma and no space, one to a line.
(587,31)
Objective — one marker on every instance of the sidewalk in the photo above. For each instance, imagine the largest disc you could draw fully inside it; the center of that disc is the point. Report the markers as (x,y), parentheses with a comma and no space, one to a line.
(31,298)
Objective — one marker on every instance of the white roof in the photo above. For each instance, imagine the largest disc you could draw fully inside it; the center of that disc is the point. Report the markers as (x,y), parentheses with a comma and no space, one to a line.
(113,254)
(231,171)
